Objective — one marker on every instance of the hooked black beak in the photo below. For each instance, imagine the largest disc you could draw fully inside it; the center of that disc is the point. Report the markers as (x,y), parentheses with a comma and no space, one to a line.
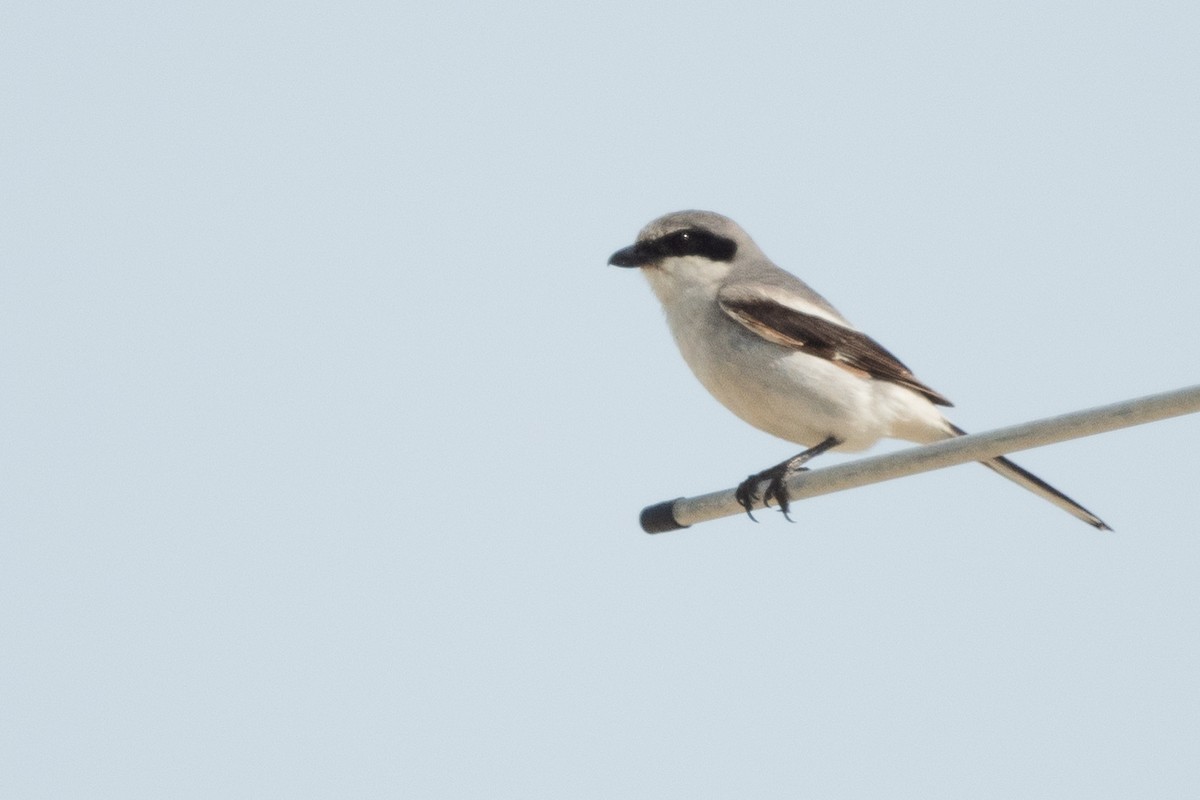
(636,255)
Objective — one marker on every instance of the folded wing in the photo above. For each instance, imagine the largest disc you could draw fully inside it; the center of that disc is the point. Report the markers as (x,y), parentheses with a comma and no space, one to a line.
(815,334)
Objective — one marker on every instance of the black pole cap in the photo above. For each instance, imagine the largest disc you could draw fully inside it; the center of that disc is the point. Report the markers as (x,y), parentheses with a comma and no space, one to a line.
(660,518)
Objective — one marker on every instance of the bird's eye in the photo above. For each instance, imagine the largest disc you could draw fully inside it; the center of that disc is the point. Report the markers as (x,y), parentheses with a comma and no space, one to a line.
(684,243)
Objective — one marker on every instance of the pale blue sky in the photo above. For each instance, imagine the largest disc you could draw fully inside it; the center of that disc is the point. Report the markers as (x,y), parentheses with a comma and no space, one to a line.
(326,427)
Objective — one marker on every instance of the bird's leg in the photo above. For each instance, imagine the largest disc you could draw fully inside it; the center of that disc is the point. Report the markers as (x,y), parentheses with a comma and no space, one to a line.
(747,493)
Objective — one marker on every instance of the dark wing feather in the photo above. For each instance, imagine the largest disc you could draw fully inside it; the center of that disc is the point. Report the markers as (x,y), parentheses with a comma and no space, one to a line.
(822,338)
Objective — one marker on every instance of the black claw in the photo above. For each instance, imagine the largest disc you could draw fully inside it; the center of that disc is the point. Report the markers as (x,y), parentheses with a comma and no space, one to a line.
(784,503)
(745,495)
(779,491)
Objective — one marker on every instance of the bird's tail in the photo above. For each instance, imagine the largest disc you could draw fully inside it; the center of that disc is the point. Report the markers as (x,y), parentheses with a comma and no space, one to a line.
(1033,483)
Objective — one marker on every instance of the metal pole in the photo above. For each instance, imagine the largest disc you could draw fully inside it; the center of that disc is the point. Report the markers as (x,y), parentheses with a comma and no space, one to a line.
(686,511)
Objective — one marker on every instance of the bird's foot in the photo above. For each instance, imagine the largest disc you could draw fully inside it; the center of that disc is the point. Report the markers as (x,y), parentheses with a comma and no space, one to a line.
(747,491)
(778,475)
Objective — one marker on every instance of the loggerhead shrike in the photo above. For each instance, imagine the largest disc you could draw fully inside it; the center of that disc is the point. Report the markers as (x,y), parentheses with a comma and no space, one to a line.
(778,355)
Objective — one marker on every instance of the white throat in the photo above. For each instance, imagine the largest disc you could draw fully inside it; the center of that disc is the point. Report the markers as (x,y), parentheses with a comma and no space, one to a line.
(686,280)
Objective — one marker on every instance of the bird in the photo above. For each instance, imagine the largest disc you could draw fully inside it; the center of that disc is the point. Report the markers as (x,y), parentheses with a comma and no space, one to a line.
(782,358)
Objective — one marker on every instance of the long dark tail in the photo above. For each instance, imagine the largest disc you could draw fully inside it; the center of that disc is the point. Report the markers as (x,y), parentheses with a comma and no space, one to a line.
(1022,477)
